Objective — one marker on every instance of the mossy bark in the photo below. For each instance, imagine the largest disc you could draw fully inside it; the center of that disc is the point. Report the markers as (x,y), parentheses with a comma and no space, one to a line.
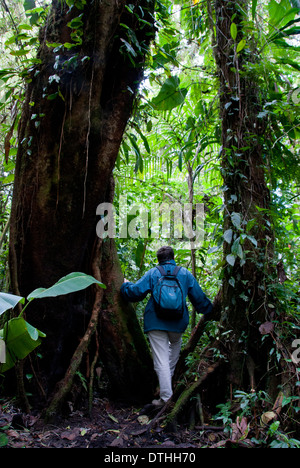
(248,246)
(123,348)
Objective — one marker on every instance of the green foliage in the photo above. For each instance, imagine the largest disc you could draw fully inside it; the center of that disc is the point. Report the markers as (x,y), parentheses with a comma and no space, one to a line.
(170,95)
(8,301)
(66,285)
(183,134)
(246,413)
(3,437)
(19,336)
(173,133)
(19,27)
(174,138)
(20,339)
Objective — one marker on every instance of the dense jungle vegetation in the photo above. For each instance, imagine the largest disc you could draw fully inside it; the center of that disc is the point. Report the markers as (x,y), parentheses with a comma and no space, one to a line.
(155,104)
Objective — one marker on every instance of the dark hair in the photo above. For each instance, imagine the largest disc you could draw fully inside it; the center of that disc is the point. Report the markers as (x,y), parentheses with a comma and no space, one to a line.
(164,254)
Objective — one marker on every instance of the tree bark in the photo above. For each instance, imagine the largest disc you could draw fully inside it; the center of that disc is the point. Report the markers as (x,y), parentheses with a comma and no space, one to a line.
(78,102)
(125,352)
(242,303)
(248,246)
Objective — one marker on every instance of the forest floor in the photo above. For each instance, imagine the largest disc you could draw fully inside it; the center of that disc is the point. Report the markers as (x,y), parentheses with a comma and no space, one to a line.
(110,425)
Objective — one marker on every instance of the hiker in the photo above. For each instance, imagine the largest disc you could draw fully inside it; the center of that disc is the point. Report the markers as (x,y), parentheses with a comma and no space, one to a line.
(165,333)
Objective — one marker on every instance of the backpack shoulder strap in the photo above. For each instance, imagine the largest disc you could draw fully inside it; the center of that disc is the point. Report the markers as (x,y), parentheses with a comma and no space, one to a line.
(163,273)
(176,270)
(161,270)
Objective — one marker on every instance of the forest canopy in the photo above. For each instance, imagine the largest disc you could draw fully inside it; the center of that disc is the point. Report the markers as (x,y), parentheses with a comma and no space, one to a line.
(181,106)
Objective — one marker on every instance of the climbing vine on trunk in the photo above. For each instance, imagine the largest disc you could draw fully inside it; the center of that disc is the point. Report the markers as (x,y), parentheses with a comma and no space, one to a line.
(248,232)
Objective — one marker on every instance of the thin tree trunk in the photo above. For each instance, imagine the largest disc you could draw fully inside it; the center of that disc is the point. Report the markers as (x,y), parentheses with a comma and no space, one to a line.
(193,251)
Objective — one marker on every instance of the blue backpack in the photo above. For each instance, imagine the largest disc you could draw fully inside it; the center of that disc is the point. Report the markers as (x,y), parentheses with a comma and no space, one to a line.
(168,296)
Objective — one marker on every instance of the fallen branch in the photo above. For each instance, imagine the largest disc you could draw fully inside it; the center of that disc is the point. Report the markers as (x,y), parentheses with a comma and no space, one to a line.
(92,373)
(188,393)
(179,404)
(196,335)
(210,428)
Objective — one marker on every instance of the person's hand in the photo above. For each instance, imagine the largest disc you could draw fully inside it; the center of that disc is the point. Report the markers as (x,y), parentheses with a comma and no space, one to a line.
(126,280)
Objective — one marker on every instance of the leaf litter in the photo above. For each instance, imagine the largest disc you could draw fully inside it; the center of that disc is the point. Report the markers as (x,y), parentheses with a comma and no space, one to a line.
(110,424)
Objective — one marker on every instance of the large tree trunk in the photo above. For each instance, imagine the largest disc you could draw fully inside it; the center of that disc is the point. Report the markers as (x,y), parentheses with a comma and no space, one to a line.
(248,233)
(77,105)
(243,302)
(126,358)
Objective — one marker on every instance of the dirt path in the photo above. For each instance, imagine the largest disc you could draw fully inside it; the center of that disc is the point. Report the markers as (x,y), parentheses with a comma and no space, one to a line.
(110,426)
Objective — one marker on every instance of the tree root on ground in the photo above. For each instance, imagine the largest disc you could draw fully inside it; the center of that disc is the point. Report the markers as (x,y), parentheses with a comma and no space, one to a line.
(188,393)
(168,413)
(196,335)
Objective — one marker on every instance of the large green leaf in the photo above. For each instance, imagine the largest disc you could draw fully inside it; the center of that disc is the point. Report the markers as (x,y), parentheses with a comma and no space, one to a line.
(254,5)
(236,220)
(170,95)
(280,13)
(68,284)
(20,338)
(166,54)
(233,31)
(8,301)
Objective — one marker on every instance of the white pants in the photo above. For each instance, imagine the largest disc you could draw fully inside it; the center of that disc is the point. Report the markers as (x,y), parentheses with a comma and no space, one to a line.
(165,348)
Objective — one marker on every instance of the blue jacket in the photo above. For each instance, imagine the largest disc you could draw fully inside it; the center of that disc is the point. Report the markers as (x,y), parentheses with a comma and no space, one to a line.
(191,289)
